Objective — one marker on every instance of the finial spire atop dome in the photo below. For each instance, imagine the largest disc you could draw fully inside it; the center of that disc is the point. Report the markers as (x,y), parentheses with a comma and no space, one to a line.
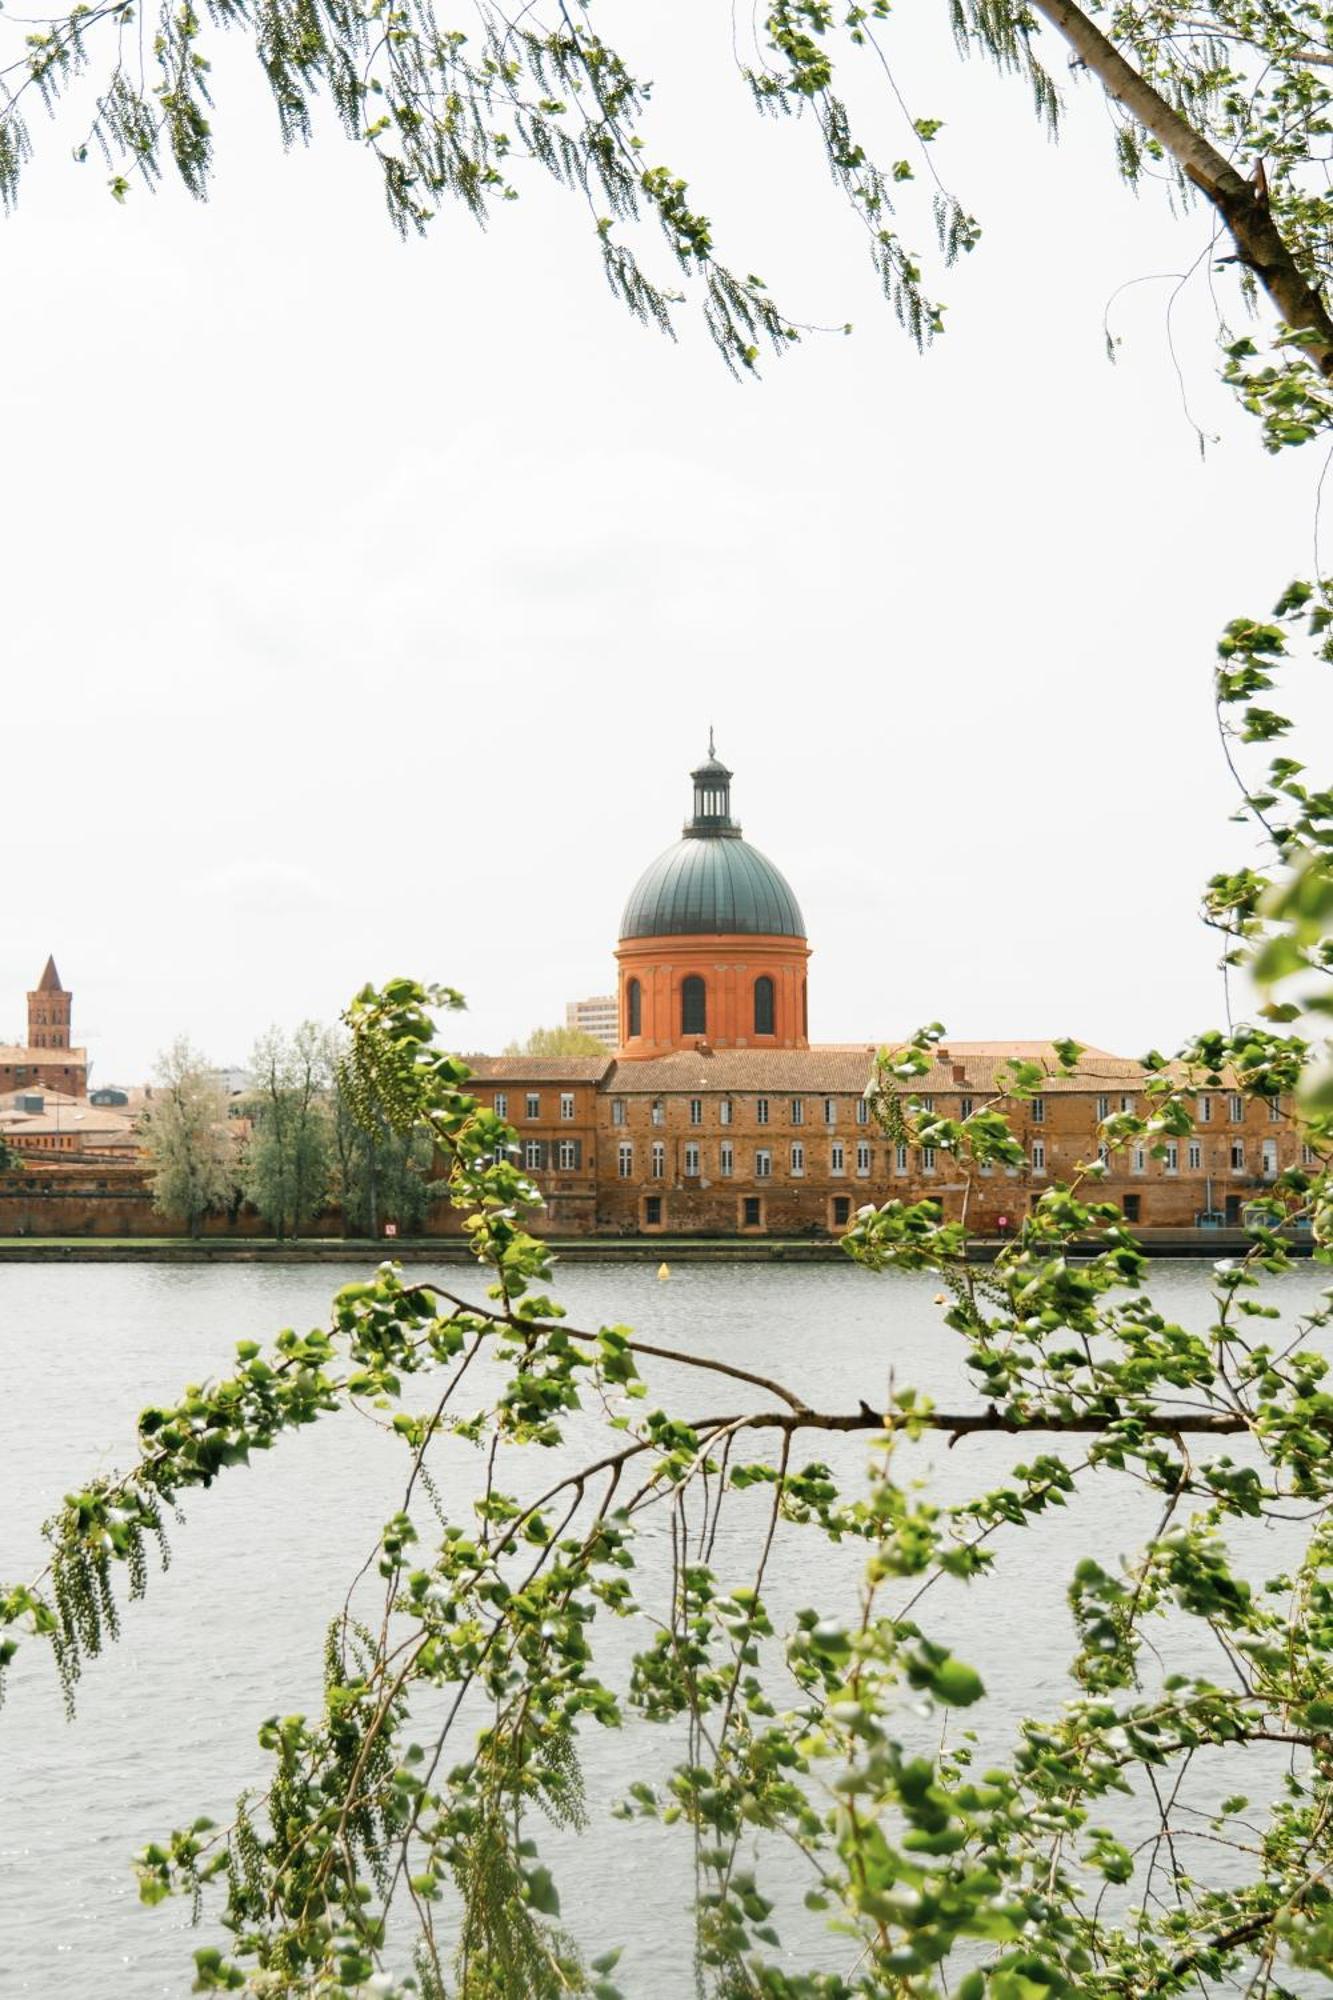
(712,799)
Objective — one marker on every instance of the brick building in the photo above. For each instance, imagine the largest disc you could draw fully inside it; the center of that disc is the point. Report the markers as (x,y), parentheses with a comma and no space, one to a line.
(47,1059)
(717,1115)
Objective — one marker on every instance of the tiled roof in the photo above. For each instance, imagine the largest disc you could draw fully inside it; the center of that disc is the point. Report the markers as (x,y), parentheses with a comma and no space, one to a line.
(817,1069)
(538,1069)
(983,1065)
(50,979)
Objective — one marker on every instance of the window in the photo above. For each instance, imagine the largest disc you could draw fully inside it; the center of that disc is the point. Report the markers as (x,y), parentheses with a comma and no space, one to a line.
(761,1111)
(1039,1110)
(1194,1156)
(659,1160)
(927,1159)
(842,1210)
(633,1010)
(753,1212)
(862,1158)
(569,1156)
(1274,1110)
(534,1104)
(500,1104)
(692,1160)
(532,1155)
(830,1110)
(1132,1205)
(900,1159)
(726,1159)
(617,1111)
(863,1110)
(1138,1159)
(658,1112)
(652,1211)
(798,1111)
(625,1160)
(1103,1154)
(1127,1105)
(1236,1109)
(797,1157)
(1238,1156)
(965,1107)
(837,1158)
(763,1006)
(763,1164)
(1205,1110)
(696,1111)
(724,1111)
(566,1104)
(1171,1157)
(925,1103)
(1270,1159)
(1038,1156)
(1309,1158)
(693,1006)
(1103,1108)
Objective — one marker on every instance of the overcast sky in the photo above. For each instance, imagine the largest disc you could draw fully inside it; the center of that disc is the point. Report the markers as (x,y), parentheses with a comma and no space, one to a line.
(366,604)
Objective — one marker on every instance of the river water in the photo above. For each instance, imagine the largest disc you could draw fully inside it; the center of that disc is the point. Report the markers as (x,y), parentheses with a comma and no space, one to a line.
(232,1632)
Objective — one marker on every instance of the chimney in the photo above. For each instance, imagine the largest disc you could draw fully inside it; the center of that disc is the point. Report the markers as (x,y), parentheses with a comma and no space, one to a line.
(959,1072)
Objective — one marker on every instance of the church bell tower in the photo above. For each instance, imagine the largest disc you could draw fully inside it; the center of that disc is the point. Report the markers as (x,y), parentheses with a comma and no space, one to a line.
(49,1010)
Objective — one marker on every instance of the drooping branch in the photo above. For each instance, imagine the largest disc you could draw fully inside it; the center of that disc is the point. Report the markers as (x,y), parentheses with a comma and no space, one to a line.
(1242,205)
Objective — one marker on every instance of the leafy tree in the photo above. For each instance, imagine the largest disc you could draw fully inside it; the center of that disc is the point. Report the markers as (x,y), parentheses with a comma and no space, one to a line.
(10,1161)
(558,1042)
(288,1164)
(191,1153)
(382,1175)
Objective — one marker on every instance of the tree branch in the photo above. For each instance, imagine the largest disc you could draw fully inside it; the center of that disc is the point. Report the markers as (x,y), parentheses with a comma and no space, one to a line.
(1243,207)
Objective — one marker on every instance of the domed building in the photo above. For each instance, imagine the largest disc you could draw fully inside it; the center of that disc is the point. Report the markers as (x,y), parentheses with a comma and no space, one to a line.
(712,947)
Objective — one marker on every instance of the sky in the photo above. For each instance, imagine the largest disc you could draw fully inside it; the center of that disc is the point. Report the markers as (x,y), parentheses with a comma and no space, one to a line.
(366,604)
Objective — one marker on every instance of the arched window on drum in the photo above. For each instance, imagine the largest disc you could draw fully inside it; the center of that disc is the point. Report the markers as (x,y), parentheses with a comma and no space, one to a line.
(693,1006)
(633,1010)
(763,1006)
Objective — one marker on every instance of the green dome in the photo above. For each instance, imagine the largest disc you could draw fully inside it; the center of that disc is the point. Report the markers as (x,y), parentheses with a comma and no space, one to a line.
(712,883)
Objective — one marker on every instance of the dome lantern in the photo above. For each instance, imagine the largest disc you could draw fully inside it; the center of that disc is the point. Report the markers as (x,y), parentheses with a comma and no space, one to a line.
(712,800)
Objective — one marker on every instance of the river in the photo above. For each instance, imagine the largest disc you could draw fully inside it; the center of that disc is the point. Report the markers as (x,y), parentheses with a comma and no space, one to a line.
(232,1632)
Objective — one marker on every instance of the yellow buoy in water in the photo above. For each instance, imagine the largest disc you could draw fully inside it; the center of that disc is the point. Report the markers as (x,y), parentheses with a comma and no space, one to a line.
(664,1270)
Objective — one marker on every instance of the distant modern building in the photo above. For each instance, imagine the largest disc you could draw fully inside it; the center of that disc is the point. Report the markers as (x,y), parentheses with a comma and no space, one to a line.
(717,1115)
(47,1058)
(597,1016)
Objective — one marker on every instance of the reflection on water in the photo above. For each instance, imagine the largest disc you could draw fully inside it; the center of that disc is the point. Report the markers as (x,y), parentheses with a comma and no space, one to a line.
(233,1631)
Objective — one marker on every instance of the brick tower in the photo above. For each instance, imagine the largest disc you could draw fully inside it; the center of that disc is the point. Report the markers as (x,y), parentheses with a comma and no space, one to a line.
(49,1010)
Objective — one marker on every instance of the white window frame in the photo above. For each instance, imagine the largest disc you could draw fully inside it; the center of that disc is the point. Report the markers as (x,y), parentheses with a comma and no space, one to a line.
(1237,1156)
(1038,1107)
(1171,1157)
(566,1105)
(837,1157)
(532,1107)
(1103,1108)
(1203,1110)
(532,1156)
(567,1156)
(863,1110)
(862,1158)
(927,1159)
(1038,1156)
(618,1111)
(725,1111)
(966,1105)
(830,1110)
(1268,1160)
(763,1164)
(692,1160)
(761,1111)
(625,1160)
(658,1168)
(1194,1156)
(797,1158)
(798,1111)
(658,1112)
(696,1111)
(1235,1108)
(726,1159)
(1275,1110)
(1138,1159)
(500,1104)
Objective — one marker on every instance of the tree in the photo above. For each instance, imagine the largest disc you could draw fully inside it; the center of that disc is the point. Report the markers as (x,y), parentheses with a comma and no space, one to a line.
(558,1042)
(191,1154)
(382,1175)
(287,1164)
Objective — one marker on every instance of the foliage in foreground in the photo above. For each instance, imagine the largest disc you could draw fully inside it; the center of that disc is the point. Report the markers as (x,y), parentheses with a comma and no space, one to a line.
(379,1844)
